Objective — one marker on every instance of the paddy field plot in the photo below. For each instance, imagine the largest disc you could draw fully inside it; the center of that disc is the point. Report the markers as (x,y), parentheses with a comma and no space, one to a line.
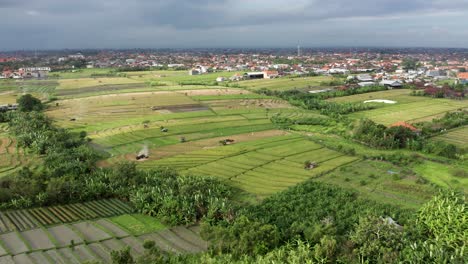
(93,82)
(457,136)
(284,83)
(12,158)
(95,239)
(398,95)
(10,90)
(383,182)
(260,167)
(112,108)
(412,112)
(22,220)
(454,176)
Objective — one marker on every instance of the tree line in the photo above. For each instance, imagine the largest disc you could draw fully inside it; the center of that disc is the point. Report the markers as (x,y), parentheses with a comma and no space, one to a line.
(318,223)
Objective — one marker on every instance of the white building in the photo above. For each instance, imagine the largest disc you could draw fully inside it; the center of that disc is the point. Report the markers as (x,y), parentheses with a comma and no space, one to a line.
(391,83)
(76,56)
(363,84)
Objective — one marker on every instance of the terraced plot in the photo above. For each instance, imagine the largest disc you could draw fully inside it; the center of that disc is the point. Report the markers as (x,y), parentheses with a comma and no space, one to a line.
(90,82)
(115,107)
(91,241)
(421,110)
(260,167)
(383,182)
(20,220)
(458,137)
(132,142)
(286,83)
(11,157)
(400,96)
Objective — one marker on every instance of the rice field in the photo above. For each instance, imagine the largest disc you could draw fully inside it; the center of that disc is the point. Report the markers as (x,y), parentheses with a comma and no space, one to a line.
(21,220)
(285,83)
(444,176)
(94,240)
(401,96)
(383,182)
(88,82)
(458,137)
(412,112)
(12,158)
(261,167)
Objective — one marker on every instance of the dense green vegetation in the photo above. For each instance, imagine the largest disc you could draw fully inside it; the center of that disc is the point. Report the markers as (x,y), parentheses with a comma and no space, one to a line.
(316,223)
(376,135)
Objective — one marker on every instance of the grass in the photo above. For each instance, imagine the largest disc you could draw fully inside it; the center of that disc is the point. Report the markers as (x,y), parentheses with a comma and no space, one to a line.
(399,95)
(443,175)
(285,83)
(458,137)
(88,82)
(421,109)
(81,73)
(383,182)
(113,108)
(138,224)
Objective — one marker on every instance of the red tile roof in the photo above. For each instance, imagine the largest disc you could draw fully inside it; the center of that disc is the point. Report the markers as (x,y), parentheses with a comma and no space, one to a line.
(463,75)
(404,124)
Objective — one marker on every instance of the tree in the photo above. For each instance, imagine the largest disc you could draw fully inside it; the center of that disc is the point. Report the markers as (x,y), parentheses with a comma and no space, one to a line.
(410,64)
(440,231)
(28,103)
(122,256)
(377,240)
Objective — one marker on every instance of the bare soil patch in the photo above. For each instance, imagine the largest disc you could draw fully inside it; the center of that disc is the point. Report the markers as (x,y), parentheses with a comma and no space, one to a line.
(38,239)
(83,254)
(182,108)
(13,243)
(38,257)
(22,259)
(56,257)
(64,235)
(99,88)
(214,92)
(90,232)
(117,231)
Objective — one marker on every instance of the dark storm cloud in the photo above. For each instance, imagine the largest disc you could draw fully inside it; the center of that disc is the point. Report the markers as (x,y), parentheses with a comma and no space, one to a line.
(177,23)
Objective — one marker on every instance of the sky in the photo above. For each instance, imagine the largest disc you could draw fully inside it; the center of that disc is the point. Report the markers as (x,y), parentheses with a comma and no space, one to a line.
(88,24)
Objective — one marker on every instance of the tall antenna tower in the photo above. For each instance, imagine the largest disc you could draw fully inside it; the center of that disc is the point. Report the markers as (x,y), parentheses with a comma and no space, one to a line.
(299,51)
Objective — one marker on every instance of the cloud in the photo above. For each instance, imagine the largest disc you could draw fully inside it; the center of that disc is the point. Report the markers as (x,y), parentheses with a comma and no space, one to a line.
(215,23)
(32,13)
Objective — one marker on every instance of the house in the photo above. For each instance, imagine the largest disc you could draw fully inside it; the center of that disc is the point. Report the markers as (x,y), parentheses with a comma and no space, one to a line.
(270,74)
(433,73)
(364,84)
(254,75)
(338,71)
(404,124)
(365,78)
(194,72)
(237,77)
(8,107)
(34,72)
(391,84)
(77,56)
(463,77)
(320,91)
